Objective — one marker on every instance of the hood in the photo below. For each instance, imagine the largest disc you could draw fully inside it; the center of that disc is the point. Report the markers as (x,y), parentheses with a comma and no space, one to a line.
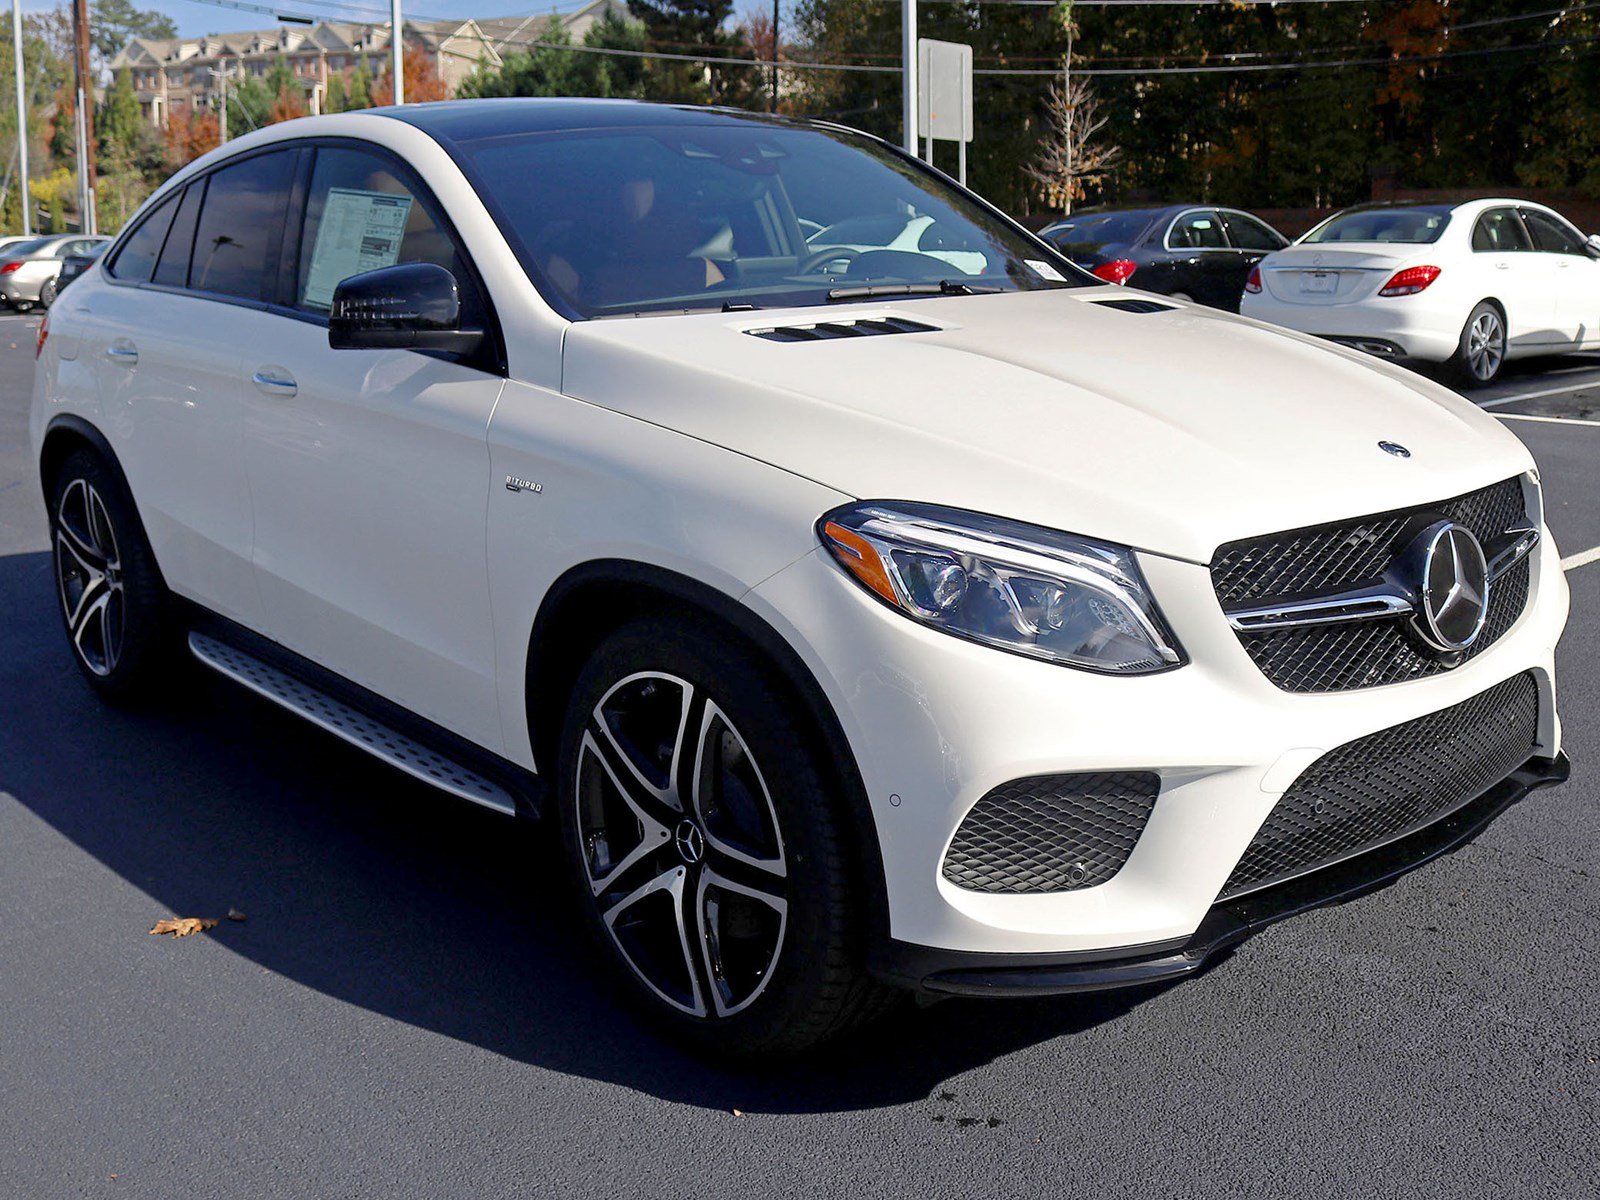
(1171,432)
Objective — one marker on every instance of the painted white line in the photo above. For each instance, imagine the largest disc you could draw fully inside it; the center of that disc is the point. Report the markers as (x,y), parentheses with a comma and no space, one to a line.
(1556,391)
(1544,420)
(1581,559)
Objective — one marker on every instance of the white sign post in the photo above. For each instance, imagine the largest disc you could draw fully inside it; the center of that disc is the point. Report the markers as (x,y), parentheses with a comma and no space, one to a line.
(944,97)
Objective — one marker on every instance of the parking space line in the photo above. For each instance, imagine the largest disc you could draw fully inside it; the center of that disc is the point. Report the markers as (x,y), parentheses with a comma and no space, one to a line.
(1581,559)
(1557,391)
(1545,420)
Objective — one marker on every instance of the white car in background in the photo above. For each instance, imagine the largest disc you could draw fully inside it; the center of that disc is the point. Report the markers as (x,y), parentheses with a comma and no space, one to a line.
(1470,284)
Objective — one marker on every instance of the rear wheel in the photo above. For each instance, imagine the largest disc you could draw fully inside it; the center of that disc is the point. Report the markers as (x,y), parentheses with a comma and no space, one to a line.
(113,602)
(47,293)
(1482,349)
(705,850)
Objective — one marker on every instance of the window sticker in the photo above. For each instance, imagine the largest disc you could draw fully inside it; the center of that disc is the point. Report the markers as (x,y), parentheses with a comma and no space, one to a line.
(360,231)
(1045,270)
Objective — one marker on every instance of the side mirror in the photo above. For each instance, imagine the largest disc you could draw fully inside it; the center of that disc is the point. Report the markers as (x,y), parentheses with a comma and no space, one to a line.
(413,306)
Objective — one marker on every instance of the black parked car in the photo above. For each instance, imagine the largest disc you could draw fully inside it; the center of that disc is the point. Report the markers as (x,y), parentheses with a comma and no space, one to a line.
(1192,252)
(72,266)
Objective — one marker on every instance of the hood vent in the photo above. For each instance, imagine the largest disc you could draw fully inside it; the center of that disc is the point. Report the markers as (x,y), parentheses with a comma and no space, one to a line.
(1135,306)
(827,331)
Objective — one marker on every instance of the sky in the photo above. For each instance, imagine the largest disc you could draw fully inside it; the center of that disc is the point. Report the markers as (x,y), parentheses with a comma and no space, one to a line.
(193,17)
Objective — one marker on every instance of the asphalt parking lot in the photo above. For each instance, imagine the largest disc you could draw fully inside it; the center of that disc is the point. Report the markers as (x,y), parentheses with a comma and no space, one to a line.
(404,1013)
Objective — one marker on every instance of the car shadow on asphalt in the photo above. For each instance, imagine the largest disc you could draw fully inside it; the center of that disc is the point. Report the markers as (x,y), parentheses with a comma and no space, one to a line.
(380,892)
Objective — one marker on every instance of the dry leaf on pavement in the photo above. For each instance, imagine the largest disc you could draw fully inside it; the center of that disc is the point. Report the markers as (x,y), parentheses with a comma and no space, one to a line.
(183,926)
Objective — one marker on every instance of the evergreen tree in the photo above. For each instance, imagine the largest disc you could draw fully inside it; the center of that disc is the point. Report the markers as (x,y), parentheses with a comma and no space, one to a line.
(335,100)
(118,121)
(360,87)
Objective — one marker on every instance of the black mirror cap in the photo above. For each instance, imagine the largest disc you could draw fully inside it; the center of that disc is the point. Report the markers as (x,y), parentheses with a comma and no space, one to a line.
(412,306)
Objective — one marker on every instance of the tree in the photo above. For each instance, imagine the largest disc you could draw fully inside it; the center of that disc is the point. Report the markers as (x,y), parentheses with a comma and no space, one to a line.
(190,137)
(1072,153)
(548,68)
(694,27)
(422,80)
(335,100)
(114,23)
(360,87)
(118,121)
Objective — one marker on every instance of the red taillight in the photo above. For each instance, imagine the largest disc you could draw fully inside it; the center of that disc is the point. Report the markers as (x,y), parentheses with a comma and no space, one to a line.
(1253,284)
(44,332)
(1409,281)
(1116,271)
(10,267)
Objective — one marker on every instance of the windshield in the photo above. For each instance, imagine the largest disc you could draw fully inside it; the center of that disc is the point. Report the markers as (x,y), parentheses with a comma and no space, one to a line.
(1098,229)
(621,221)
(1417,226)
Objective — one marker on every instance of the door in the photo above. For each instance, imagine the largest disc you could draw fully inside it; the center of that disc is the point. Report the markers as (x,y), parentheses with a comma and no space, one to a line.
(165,339)
(1575,276)
(1202,262)
(1252,240)
(1508,269)
(369,469)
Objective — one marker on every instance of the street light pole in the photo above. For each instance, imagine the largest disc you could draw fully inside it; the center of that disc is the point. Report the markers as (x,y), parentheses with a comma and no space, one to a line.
(397,52)
(222,76)
(86,180)
(22,115)
(908,68)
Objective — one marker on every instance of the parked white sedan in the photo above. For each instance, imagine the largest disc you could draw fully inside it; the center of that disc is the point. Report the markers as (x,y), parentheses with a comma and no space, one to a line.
(1469,284)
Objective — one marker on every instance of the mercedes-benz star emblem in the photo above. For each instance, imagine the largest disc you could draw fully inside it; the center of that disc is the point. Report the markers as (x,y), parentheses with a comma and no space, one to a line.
(1455,587)
(690,841)
(1394,448)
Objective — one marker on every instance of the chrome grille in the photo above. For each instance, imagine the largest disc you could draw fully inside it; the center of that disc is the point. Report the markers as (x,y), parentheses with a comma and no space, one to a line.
(1379,788)
(1342,657)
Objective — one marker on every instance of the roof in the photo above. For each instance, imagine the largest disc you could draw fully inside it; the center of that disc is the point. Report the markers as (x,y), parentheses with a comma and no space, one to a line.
(348,37)
(470,120)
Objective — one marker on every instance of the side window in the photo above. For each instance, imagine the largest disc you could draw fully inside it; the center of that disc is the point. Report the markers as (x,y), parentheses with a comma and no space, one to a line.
(173,267)
(1552,233)
(1200,230)
(1499,230)
(137,257)
(1247,233)
(236,243)
(363,212)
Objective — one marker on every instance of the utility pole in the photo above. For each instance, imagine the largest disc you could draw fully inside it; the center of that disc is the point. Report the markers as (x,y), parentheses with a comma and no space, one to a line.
(222,76)
(397,52)
(772,105)
(86,174)
(22,115)
(908,70)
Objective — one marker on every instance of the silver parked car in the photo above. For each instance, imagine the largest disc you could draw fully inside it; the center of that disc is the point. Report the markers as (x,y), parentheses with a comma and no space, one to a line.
(26,267)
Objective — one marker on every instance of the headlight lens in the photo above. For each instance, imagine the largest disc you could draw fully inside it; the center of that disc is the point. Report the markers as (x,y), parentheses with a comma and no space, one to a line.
(1018,587)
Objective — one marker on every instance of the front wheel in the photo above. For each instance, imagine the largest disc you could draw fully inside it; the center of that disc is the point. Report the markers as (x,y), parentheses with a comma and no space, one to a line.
(1482,348)
(704,847)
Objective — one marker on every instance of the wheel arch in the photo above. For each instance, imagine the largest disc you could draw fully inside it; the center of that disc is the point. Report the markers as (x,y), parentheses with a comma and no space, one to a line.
(65,433)
(592,599)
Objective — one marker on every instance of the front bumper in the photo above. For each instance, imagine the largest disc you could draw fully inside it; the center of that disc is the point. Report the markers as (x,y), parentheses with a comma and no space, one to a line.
(1224,926)
(936,723)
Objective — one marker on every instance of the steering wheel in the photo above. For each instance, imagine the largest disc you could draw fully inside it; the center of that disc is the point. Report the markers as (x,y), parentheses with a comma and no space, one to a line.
(834,254)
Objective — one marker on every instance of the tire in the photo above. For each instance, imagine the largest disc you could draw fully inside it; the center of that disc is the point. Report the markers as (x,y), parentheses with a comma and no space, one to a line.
(1481,350)
(22,306)
(47,293)
(728,917)
(114,605)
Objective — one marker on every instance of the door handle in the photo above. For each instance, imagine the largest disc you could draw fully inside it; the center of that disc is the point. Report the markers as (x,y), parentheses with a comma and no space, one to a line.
(123,352)
(275,381)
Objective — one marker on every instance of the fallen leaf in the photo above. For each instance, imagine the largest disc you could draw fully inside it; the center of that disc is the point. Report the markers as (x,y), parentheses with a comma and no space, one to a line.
(184,926)
(235,915)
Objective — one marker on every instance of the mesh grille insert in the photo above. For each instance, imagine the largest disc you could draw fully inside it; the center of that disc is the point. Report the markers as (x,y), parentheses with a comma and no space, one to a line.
(1331,658)
(1381,787)
(1051,833)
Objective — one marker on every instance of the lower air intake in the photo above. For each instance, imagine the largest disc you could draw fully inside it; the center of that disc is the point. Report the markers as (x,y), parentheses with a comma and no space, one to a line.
(1051,833)
(1379,788)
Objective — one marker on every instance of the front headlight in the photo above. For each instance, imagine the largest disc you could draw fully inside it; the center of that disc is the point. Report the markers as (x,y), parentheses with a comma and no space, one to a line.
(1017,587)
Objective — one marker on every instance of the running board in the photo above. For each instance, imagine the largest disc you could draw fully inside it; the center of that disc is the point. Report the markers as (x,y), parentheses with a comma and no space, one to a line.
(354,726)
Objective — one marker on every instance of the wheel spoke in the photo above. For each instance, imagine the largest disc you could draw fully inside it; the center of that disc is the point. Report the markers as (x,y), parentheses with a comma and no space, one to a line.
(672,882)
(730,797)
(737,966)
(92,619)
(650,803)
(630,743)
(652,834)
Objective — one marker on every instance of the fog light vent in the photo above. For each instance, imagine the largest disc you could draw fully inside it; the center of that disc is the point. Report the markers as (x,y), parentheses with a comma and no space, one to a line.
(1051,833)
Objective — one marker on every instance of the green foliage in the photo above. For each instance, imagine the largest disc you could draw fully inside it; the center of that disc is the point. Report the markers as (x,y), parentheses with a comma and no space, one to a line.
(114,23)
(360,88)
(335,100)
(548,69)
(118,121)
(693,27)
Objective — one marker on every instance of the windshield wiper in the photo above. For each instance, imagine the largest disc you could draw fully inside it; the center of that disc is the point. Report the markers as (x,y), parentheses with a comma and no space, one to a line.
(945,287)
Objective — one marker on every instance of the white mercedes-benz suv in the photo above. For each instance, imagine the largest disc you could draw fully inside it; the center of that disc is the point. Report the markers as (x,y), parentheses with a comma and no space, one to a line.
(938,618)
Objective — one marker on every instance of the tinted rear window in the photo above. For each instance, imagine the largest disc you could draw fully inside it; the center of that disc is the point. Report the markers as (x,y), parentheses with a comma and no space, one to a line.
(235,248)
(137,258)
(1099,229)
(1413,226)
